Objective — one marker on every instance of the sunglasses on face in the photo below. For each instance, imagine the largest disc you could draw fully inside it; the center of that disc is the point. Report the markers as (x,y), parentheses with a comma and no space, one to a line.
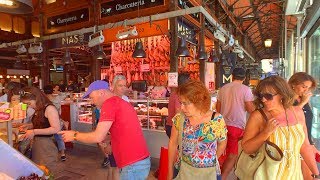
(267,96)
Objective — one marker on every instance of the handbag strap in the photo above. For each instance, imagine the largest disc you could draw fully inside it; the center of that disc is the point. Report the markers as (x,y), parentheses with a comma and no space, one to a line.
(263,114)
(181,123)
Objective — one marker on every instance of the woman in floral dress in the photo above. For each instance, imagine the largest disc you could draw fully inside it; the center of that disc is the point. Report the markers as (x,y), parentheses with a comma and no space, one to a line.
(203,134)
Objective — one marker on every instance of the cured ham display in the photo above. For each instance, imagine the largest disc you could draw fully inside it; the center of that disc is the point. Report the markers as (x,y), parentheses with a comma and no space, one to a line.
(158,57)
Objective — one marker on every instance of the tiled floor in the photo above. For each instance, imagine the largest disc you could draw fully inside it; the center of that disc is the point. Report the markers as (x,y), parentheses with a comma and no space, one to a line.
(84,163)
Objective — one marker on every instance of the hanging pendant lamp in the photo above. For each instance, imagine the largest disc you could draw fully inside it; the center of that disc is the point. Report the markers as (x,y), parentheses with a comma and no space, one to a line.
(202,54)
(182,50)
(139,51)
(16,6)
(100,54)
(67,58)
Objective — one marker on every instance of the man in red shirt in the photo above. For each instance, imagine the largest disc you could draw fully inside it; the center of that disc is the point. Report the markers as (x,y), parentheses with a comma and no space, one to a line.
(119,117)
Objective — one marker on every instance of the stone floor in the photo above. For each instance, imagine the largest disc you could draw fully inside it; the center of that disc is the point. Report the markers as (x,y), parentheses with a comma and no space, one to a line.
(84,163)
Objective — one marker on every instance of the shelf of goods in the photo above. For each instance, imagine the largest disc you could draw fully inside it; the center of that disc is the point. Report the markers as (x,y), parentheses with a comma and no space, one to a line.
(152,114)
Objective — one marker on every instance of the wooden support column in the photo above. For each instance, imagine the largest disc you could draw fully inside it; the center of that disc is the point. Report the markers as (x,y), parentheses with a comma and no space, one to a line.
(174,38)
(96,69)
(216,49)
(201,42)
(45,71)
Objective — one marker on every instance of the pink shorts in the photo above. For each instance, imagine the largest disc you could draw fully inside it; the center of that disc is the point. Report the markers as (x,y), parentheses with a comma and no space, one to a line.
(234,135)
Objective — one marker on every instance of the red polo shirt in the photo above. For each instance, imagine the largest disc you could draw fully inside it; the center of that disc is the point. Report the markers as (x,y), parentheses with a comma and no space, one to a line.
(127,140)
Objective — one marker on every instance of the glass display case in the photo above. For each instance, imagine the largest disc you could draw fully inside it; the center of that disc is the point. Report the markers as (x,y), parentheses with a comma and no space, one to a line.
(81,116)
(152,113)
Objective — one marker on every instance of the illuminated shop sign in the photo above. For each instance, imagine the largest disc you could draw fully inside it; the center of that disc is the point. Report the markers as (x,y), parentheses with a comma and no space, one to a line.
(72,17)
(117,7)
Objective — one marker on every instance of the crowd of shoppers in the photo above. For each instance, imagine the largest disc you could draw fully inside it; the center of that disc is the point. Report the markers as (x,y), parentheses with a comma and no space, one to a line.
(201,139)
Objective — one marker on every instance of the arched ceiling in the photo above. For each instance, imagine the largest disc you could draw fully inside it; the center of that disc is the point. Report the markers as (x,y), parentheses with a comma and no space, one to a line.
(260,20)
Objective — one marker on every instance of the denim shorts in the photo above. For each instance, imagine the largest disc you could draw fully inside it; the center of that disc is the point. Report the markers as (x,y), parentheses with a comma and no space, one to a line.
(136,171)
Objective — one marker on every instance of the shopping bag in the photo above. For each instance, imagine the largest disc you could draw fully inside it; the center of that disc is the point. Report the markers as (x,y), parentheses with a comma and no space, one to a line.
(163,167)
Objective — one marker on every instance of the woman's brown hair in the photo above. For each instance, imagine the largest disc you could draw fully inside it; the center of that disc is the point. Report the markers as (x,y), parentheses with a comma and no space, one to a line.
(277,84)
(197,93)
(33,93)
(300,78)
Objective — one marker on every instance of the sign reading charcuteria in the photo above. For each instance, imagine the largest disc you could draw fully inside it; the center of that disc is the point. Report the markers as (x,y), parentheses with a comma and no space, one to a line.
(122,6)
(68,18)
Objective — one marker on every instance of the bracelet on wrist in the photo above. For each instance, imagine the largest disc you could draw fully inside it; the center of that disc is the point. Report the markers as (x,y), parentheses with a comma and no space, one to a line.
(317,176)
(75,135)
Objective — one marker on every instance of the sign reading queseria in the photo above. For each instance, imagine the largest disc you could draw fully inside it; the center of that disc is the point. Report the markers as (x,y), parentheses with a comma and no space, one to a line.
(122,6)
(72,17)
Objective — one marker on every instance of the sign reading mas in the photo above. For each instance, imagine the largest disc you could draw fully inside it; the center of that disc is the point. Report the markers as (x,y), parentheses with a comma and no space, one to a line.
(117,7)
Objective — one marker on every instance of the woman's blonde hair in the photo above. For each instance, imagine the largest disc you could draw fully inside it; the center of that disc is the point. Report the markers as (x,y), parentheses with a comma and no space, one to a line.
(277,84)
(300,78)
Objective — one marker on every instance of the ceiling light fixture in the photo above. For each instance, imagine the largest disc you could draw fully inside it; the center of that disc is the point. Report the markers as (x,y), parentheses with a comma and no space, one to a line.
(127,32)
(219,35)
(35,49)
(268,42)
(100,54)
(67,58)
(21,49)
(182,50)
(6,2)
(139,51)
(16,6)
(96,39)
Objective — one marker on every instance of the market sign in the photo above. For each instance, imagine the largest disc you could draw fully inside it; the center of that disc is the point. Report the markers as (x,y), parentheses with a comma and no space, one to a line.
(187,30)
(225,75)
(69,41)
(118,7)
(72,17)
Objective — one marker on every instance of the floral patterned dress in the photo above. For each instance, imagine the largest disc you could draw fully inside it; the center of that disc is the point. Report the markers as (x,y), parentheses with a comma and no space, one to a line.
(199,143)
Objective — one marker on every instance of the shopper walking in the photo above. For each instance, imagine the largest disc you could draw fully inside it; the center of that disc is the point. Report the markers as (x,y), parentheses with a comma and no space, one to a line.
(202,134)
(45,123)
(303,84)
(286,127)
(128,144)
(233,101)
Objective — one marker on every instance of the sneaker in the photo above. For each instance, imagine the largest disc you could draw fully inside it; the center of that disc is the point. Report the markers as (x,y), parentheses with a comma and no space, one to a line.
(105,162)
(63,158)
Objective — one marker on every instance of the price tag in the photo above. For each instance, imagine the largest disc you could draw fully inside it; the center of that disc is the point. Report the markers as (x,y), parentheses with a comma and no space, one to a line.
(144,67)
(173,79)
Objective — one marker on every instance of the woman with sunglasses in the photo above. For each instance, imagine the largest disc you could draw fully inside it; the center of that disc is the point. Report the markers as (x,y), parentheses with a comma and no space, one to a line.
(303,84)
(45,123)
(204,134)
(285,126)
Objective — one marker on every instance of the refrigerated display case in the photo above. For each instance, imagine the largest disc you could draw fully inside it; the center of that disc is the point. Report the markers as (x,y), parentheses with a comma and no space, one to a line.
(81,116)
(152,114)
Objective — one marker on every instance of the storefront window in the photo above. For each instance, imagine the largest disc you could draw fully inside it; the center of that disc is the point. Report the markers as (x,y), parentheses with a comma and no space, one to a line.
(314,70)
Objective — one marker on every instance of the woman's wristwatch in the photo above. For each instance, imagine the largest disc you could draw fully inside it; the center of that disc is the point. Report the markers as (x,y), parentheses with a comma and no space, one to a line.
(317,176)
